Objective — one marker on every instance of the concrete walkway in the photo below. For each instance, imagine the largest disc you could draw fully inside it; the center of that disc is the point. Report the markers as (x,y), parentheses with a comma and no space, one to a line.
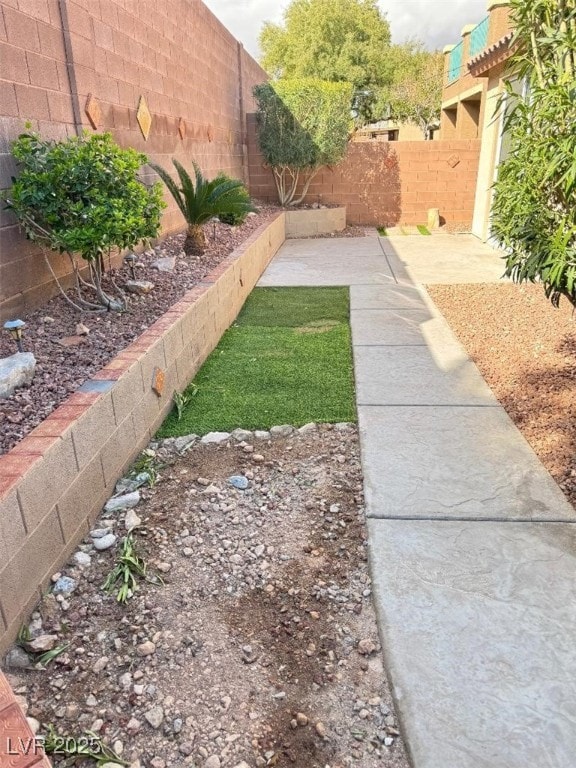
(472,544)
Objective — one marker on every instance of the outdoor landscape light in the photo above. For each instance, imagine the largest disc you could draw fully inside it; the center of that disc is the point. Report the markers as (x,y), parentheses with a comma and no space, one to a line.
(15,328)
(131,259)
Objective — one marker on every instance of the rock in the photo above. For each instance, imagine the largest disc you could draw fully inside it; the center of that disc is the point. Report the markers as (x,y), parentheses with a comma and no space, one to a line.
(34,724)
(366,647)
(146,649)
(177,725)
(261,434)
(257,458)
(42,643)
(181,444)
(213,762)
(155,716)
(64,586)
(343,426)
(100,665)
(81,559)
(140,287)
(238,481)
(241,435)
(133,725)
(321,730)
(243,764)
(131,520)
(71,341)
(98,533)
(17,658)
(165,264)
(130,484)
(16,371)
(308,428)
(104,542)
(120,503)
(82,330)
(236,559)
(215,437)
(301,719)
(282,431)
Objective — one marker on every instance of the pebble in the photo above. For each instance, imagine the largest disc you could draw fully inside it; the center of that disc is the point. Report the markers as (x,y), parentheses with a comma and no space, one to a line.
(301,719)
(241,435)
(104,542)
(42,643)
(215,437)
(321,730)
(146,649)
(34,725)
(82,559)
(184,442)
(133,725)
(130,484)
(120,503)
(131,520)
(307,429)
(155,716)
(239,481)
(165,264)
(213,762)
(64,586)
(261,434)
(281,431)
(366,647)
(140,287)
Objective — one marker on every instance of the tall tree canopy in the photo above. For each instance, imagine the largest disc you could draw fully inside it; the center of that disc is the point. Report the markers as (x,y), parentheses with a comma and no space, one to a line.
(415,95)
(534,209)
(335,40)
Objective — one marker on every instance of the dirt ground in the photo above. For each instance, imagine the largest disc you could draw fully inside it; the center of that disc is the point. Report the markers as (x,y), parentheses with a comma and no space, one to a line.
(526,351)
(262,643)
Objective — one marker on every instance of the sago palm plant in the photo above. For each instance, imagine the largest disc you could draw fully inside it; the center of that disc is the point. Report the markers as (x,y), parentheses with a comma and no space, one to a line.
(199,201)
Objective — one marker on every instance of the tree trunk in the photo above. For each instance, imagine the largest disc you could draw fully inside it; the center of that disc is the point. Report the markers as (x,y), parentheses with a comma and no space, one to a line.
(195,242)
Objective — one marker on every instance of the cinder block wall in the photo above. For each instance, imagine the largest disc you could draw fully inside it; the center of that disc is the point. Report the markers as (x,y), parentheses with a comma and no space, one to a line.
(175,53)
(386,183)
(54,483)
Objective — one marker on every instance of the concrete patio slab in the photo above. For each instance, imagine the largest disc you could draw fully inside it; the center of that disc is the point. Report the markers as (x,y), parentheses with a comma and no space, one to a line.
(478,622)
(453,462)
(407,375)
(390,296)
(372,327)
(444,259)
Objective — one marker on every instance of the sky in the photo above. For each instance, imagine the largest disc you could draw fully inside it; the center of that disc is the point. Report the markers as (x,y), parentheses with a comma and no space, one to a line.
(436,22)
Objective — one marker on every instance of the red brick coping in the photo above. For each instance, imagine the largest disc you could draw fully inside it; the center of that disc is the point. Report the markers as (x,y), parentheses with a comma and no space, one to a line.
(54,483)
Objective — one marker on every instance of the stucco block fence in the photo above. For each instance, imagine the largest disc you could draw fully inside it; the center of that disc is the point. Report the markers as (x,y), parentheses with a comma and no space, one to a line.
(54,483)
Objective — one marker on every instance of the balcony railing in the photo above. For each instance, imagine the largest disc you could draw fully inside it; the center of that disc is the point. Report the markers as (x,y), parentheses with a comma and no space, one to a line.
(479,37)
(455,63)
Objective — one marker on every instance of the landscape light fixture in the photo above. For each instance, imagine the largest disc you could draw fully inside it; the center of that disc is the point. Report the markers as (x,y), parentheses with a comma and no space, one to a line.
(131,259)
(15,328)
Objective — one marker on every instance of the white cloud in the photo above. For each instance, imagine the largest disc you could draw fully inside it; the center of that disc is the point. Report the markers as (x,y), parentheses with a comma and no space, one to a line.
(436,22)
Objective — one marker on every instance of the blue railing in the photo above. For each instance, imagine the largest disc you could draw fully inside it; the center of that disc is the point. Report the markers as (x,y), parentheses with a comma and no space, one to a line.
(455,63)
(479,37)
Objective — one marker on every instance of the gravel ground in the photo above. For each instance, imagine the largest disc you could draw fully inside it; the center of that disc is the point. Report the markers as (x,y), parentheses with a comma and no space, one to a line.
(526,351)
(261,644)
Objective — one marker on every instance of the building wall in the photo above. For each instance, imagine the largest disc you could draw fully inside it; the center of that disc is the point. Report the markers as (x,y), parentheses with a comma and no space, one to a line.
(386,183)
(175,54)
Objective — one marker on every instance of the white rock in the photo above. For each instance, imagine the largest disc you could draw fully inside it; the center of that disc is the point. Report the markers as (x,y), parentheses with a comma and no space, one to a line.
(155,716)
(261,434)
(281,431)
(215,437)
(183,443)
(104,542)
(243,764)
(120,503)
(82,559)
(165,264)
(34,725)
(141,287)
(146,649)
(131,520)
(308,428)
(82,330)
(16,371)
(42,643)
(241,434)
(213,762)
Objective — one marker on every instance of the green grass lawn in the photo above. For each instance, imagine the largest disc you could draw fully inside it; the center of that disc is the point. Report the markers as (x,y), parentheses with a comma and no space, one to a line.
(286,360)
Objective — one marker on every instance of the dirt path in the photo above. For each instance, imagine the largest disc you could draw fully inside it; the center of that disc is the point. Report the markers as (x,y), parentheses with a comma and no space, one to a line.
(265,647)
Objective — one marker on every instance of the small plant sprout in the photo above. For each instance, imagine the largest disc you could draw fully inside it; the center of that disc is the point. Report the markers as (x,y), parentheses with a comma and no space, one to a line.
(46,658)
(128,571)
(74,748)
(182,399)
(145,464)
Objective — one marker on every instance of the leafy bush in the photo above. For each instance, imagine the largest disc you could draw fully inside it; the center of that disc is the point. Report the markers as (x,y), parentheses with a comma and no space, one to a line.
(534,209)
(234,219)
(201,201)
(303,125)
(83,196)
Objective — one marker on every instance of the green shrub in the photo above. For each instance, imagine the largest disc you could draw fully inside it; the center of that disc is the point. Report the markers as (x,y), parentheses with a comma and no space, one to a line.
(202,200)
(231,218)
(303,124)
(83,196)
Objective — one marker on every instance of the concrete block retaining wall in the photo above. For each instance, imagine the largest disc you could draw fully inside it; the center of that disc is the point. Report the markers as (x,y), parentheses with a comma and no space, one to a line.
(54,483)
(315,221)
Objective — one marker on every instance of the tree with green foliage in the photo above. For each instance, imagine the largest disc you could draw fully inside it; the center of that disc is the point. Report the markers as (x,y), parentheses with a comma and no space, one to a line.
(83,196)
(303,124)
(335,40)
(201,199)
(415,95)
(534,208)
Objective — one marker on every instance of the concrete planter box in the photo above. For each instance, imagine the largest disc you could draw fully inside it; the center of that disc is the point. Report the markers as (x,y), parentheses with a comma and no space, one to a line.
(54,483)
(305,222)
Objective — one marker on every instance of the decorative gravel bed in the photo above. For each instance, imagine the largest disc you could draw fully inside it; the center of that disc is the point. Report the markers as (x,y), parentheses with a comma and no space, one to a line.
(526,351)
(260,648)
(61,369)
